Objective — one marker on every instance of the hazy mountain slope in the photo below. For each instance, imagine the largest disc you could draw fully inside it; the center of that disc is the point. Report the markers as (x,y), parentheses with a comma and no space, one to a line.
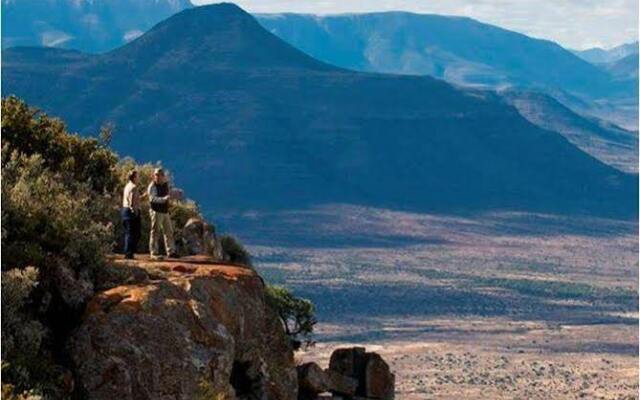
(460,50)
(625,68)
(246,121)
(609,143)
(598,55)
(88,25)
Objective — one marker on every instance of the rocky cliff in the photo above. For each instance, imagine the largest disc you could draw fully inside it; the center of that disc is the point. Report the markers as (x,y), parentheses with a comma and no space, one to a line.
(183,329)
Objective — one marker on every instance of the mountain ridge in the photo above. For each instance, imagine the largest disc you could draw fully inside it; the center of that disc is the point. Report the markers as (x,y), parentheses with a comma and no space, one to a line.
(392,48)
(407,34)
(609,143)
(90,26)
(462,51)
(598,55)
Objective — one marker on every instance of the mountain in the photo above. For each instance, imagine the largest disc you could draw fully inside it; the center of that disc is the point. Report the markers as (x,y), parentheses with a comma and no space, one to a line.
(460,50)
(620,62)
(607,142)
(246,121)
(87,25)
(626,68)
(598,55)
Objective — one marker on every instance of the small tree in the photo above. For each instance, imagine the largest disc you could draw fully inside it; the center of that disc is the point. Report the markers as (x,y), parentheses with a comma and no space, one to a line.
(297,315)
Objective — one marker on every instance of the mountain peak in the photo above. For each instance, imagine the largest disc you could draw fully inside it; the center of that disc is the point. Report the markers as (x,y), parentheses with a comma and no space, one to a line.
(215,10)
(216,36)
(224,7)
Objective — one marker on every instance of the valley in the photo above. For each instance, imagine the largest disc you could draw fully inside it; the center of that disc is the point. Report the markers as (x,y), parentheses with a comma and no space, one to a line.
(499,305)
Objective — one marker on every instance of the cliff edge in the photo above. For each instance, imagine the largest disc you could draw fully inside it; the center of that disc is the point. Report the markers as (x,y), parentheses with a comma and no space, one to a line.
(183,329)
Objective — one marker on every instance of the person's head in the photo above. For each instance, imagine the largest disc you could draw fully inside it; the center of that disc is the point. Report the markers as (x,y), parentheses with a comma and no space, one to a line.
(159,176)
(133,176)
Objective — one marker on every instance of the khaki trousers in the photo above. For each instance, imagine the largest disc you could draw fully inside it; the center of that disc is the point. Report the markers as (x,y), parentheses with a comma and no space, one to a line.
(161,221)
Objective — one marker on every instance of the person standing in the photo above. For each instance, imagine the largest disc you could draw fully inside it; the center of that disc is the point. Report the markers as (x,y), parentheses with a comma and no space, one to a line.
(159,199)
(130,214)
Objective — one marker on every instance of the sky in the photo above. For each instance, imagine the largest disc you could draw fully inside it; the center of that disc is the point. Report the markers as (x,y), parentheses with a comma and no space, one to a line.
(576,24)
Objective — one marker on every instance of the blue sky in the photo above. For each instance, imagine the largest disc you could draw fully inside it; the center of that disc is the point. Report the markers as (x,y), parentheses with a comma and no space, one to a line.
(577,24)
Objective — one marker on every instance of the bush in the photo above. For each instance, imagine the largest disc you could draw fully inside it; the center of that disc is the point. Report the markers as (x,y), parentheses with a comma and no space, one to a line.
(27,131)
(56,197)
(22,336)
(297,315)
(233,251)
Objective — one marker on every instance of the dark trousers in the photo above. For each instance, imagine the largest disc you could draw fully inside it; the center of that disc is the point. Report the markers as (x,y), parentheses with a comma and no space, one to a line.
(131,224)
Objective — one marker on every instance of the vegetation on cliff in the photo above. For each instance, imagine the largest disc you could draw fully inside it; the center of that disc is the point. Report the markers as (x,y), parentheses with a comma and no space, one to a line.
(56,202)
(60,202)
(297,315)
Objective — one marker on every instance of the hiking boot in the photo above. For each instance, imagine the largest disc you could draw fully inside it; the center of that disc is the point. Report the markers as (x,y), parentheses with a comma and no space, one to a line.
(128,257)
(156,257)
(174,255)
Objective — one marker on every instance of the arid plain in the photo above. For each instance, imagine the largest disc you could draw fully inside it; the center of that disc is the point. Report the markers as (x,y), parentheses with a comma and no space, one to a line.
(491,306)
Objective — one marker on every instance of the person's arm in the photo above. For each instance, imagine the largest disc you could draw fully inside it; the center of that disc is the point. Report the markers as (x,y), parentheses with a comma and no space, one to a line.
(153,196)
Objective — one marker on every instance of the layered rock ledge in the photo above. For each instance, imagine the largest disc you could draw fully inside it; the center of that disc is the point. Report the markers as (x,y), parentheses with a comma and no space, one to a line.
(183,329)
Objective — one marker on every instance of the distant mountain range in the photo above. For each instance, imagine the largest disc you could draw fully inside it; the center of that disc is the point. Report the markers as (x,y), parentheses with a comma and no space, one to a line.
(598,55)
(461,51)
(246,121)
(86,25)
(457,49)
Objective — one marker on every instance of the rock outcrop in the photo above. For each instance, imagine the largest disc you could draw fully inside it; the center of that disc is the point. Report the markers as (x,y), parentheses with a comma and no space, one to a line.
(311,380)
(353,373)
(199,238)
(183,329)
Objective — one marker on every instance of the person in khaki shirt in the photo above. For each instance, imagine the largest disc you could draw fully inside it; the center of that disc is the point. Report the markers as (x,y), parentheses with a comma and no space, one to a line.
(130,214)
(159,199)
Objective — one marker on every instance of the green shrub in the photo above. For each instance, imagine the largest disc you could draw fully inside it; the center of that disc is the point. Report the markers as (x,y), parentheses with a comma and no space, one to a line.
(22,336)
(27,131)
(297,314)
(56,198)
(233,251)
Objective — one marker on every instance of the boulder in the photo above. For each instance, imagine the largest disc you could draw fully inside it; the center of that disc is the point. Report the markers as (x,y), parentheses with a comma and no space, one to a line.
(312,380)
(199,238)
(379,382)
(372,374)
(339,384)
(193,330)
(349,362)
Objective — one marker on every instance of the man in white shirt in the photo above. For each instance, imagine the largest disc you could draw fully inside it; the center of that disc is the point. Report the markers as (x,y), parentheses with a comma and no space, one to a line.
(130,214)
